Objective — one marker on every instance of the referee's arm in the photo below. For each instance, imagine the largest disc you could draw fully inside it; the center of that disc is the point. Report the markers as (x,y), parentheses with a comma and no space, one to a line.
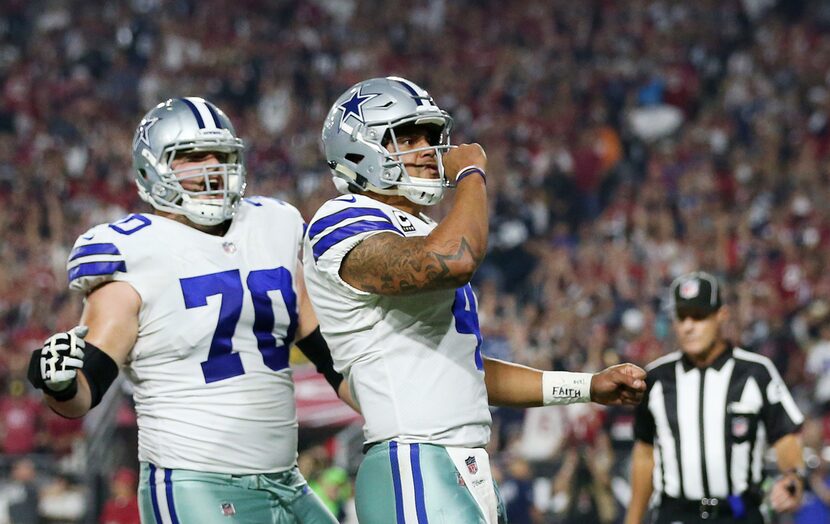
(783,420)
(787,491)
(642,466)
(642,462)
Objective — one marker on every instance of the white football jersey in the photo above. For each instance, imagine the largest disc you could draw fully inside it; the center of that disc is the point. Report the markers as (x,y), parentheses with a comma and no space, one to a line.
(413,362)
(212,386)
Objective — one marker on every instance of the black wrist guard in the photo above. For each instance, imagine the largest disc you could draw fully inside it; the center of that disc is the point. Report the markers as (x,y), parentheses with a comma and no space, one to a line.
(100,371)
(64,394)
(33,373)
(314,346)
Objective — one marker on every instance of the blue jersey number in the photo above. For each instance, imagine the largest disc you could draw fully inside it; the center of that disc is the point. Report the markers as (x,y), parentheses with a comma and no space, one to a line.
(222,361)
(130,224)
(466,318)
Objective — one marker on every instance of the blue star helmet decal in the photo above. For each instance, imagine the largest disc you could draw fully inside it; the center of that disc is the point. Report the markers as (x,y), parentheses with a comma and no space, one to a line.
(143,129)
(354,105)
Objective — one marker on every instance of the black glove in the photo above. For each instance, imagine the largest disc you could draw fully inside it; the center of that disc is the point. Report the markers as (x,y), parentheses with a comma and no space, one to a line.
(54,367)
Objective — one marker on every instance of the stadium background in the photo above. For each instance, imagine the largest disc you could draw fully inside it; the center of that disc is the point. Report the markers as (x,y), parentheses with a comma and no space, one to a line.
(628,142)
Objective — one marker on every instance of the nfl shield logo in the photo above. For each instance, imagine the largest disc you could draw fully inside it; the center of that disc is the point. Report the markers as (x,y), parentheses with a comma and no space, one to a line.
(227,509)
(472,467)
(740,427)
(689,289)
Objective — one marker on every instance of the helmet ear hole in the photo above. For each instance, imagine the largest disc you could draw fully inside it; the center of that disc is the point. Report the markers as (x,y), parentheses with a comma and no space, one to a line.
(354,158)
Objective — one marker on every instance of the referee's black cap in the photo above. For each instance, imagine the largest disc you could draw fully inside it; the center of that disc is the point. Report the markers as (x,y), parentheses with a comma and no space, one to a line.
(695,295)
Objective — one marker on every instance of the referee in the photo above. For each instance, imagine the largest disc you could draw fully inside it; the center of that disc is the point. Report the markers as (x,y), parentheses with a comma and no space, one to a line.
(709,413)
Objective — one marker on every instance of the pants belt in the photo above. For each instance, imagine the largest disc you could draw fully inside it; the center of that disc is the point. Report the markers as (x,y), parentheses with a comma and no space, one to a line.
(368,446)
(710,507)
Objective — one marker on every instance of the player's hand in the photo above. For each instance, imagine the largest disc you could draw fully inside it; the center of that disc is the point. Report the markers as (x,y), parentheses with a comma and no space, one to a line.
(623,384)
(54,367)
(786,493)
(464,155)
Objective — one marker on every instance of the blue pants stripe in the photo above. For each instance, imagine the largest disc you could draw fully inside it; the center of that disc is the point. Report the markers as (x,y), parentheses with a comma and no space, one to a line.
(396,481)
(153,496)
(168,488)
(418,482)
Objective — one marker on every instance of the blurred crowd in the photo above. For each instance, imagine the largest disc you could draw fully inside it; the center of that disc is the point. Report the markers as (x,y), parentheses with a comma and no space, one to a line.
(628,142)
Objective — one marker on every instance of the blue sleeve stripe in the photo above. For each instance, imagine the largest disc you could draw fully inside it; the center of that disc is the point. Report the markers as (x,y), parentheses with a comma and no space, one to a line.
(93,249)
(339,235)
(96,268)
(326,222)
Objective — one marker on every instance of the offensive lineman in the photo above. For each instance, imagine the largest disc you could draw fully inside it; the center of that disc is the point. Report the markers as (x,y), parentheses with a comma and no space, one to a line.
(391,290)
(199,302)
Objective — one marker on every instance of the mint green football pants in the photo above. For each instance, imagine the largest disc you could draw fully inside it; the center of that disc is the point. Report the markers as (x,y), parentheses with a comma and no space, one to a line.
(425,490)
(176,496)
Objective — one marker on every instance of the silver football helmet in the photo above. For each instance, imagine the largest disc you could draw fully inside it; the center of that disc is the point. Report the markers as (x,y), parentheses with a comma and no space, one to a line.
(183,125)
(360,124)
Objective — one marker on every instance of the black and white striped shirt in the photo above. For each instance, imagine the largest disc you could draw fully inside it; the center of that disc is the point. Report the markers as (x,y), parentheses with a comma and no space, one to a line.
(710,427)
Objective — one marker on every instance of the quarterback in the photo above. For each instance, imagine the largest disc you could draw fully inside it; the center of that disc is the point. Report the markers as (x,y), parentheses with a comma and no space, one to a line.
(391,289)
(199,303)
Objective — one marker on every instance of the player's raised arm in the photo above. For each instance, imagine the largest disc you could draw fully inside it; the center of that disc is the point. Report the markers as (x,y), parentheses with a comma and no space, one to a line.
(389,264)
(75,369)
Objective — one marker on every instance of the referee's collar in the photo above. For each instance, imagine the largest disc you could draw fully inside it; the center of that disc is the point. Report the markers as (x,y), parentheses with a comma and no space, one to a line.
(717,364)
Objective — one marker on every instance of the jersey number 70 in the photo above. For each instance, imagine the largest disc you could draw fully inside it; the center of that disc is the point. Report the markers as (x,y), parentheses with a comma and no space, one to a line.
(222,361)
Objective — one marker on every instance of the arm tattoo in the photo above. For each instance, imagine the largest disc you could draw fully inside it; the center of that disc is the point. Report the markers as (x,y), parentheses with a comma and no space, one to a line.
(388,264)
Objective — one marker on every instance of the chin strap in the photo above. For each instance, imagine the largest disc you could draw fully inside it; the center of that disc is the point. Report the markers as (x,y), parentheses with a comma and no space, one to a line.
(345,179)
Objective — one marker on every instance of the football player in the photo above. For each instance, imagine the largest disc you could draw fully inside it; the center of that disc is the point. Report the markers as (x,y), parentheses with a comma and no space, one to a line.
(391,289)
(199,303)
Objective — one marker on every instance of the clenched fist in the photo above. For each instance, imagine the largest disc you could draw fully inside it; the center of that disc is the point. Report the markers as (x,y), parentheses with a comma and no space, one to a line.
(54,367)
(623,384)
(463,156)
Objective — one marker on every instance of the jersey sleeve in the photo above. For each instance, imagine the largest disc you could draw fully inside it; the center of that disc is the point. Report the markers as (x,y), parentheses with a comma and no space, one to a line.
(95,258)
(338,227)
(780,414)
(644,427)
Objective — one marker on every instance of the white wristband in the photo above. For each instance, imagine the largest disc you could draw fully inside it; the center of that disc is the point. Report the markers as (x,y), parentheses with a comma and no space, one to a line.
(563,387)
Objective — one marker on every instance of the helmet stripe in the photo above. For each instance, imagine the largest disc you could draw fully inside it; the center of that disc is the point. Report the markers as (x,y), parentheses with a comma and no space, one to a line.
(205,116)
(418,98)
(195,112)
(215,116)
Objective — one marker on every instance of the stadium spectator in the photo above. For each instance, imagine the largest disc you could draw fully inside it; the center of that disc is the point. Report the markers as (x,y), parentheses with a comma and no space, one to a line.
(62,501)
(122,505)
(516,488)
(22,496)
(20,420)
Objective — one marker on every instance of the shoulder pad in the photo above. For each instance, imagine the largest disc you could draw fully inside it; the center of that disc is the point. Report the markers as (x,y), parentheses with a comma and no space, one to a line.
(99,254)
(338,220)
